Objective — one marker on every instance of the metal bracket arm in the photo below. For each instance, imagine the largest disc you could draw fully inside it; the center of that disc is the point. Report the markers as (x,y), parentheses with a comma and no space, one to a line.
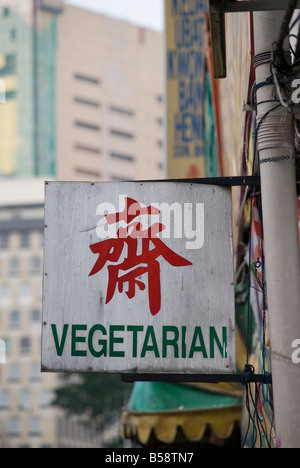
(232,6)
(201,378)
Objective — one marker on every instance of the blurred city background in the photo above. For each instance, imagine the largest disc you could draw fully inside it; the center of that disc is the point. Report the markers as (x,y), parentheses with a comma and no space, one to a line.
(84,97)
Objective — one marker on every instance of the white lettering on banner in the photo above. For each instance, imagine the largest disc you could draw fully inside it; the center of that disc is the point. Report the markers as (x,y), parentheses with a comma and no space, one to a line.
(188,220)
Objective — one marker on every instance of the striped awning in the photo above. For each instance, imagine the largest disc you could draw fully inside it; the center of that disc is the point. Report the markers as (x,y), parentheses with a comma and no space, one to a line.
(153,410)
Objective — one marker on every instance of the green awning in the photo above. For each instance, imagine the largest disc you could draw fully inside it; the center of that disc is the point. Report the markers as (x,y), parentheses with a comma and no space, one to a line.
(160,396)
(162,408)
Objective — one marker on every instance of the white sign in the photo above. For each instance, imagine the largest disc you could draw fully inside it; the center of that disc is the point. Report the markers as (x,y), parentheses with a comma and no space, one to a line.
(138,277)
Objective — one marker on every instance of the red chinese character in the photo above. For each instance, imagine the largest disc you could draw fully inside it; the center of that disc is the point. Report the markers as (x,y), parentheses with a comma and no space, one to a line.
(134,265)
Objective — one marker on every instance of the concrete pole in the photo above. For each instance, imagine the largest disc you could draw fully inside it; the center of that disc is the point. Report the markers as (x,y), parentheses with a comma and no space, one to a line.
(279,201)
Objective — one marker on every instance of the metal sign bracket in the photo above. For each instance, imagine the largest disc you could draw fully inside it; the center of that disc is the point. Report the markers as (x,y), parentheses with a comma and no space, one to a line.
(200,378)
(217,10)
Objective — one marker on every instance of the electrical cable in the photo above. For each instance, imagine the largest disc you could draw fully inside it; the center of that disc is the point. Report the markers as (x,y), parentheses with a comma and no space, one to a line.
(259,404)
(283,32)
(263,397)
(266,389)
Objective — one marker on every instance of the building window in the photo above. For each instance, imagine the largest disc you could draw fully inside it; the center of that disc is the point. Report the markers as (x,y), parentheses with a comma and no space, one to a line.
(88,172)
(10,95)
(35,427)
(6,12)
(88,149)
(87,125)
(10,66)
(122,157)
(35,372)
(4,240)
(25,240)
(25,293)
(86,78)
(14,267)
(86,102)
(14,374)
(14,427)
(41,239)
(5,294)
(35,316)
(46,398)
(15,319)
(35,266)
(13,34)
(25,400)
(121,133)
(25,346)
(4,399)
(121,110)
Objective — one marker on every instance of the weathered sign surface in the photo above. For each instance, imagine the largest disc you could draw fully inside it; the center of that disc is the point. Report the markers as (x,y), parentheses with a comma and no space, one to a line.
(138,277)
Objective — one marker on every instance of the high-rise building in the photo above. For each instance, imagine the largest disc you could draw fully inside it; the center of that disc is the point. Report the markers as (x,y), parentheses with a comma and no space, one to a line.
(84,94)
(27,73)
(81,98)
(27,417)
(110,98)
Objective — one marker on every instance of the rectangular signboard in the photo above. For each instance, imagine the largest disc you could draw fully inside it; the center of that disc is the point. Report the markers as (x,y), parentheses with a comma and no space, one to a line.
(185,30)
(138,277)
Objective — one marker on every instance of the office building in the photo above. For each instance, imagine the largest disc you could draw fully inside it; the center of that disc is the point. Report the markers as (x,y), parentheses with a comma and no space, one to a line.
(84,94)
(27,417)
(81,98)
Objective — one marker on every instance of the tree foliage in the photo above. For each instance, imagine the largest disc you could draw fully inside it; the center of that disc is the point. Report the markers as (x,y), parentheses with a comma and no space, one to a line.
(92,396)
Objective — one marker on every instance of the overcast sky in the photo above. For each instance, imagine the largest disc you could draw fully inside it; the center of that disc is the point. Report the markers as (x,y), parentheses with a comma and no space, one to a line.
(147,13)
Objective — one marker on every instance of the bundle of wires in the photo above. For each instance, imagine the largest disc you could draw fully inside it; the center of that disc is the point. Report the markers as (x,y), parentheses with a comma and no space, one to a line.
(285,72)
(285,76)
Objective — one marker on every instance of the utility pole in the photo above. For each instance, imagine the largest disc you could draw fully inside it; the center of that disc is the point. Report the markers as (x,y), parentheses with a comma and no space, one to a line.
(281,239)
